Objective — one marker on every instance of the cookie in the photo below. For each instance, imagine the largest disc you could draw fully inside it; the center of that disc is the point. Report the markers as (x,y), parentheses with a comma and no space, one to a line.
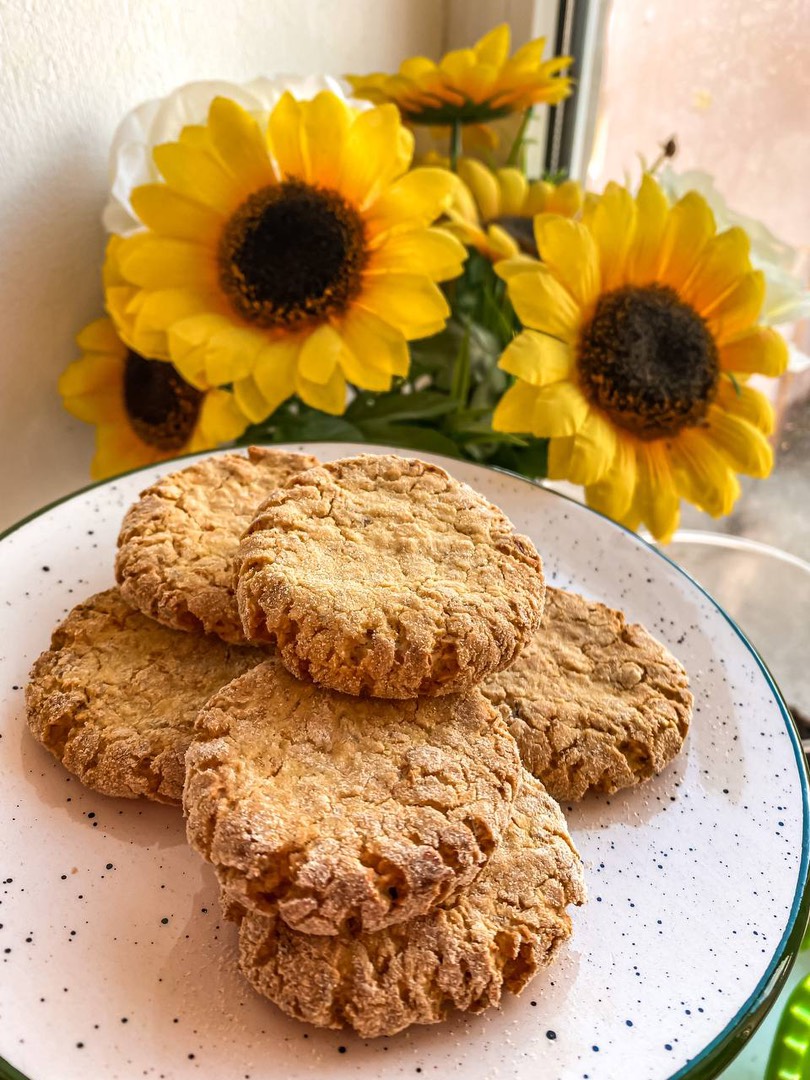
(178,541)
(336,811)
(595,703)
(383,576)
(492,936)
(115,696)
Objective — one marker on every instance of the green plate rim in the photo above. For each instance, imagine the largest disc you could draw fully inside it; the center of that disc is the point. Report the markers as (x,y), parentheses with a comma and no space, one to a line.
(722,1050)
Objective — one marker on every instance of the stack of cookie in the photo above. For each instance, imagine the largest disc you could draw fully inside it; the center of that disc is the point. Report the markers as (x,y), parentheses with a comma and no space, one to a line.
(343,699)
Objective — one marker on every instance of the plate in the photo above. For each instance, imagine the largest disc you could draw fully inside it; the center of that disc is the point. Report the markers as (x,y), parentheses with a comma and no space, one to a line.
(117,964)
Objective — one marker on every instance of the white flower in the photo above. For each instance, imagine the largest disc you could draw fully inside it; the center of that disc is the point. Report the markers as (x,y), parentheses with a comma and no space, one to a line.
(162,120)
(786,298)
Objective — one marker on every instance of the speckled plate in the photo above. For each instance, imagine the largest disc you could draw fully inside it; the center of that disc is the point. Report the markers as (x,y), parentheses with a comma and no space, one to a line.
(116,963)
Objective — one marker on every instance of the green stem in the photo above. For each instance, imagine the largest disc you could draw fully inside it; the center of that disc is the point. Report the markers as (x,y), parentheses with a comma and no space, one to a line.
(455,144)
(514,153)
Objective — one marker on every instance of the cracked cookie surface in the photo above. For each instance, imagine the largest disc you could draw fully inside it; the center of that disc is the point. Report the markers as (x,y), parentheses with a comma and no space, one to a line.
(333,810)
(492,936)
(595,703)
(382,576)
(178,541)
(116,695)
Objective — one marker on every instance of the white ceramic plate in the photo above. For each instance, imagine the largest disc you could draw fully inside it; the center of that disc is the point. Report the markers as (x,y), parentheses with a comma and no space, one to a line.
(116,963)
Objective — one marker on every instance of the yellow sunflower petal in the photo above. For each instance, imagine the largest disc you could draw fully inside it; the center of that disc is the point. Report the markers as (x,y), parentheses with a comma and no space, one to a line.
(375,343)
(483,185)
(703,474)
(689,227)
(414,201)
(197,175)
(514,265)
(744,401)
(326,125)
(744,446)
(240,145)
(612,222)
(274,372)
(537,358)
(543,304)
(762,350)
(568,248)
(91,373)
(566,199)
(653,210)
(493,48)
(515,411)
(329,397)
(118,449)
(412,304)
(284,134)
(250,400)
(656,500)
(189,342)
(231,353)
(514,187)
(161,262)
(168,212)
(320,354)
(739,309)
(432,251)
(368,164)
(100,336)
(362,374)
(612,495)
(585,457)
(220,419)
(559,409)
(499,244)
(723,262)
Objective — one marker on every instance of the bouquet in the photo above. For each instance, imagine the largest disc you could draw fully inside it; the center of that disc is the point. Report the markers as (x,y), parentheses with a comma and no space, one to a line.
(284,267)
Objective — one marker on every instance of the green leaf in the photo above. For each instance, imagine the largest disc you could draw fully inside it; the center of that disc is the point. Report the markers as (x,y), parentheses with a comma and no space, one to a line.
(410,437)
(460,387)
(419,405)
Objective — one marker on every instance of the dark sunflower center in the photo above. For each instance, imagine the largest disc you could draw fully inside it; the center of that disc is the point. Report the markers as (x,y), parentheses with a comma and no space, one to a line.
(648,360)
(292,255)
(162,408)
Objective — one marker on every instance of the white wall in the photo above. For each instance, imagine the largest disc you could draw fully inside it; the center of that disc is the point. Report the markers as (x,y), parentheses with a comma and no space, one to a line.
(68,73)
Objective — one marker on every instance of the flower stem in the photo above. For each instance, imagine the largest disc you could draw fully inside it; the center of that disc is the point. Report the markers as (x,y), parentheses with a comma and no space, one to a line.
(517,145)
(455,144)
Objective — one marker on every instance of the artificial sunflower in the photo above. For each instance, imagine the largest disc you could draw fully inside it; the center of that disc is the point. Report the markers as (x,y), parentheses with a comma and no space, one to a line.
(292,260)
(143,410)
(492,208)
(470,86)
(641,331)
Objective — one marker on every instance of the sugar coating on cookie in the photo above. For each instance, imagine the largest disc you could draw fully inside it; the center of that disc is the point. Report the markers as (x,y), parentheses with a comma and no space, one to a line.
(178,541)
(595,704)
(115,696)
(383,576)
(335,810)
(492,936)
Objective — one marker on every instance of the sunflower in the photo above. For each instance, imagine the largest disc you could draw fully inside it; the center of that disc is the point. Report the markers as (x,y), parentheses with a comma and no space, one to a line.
(143,410)
(289,261)
(487,200)
(641,331)
(470,86)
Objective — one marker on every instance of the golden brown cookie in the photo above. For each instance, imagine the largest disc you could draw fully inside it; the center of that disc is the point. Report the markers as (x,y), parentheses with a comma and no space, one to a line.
(336,810)
(383,576)
(492,936)
(115,696)
(178,541)
(595,703)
